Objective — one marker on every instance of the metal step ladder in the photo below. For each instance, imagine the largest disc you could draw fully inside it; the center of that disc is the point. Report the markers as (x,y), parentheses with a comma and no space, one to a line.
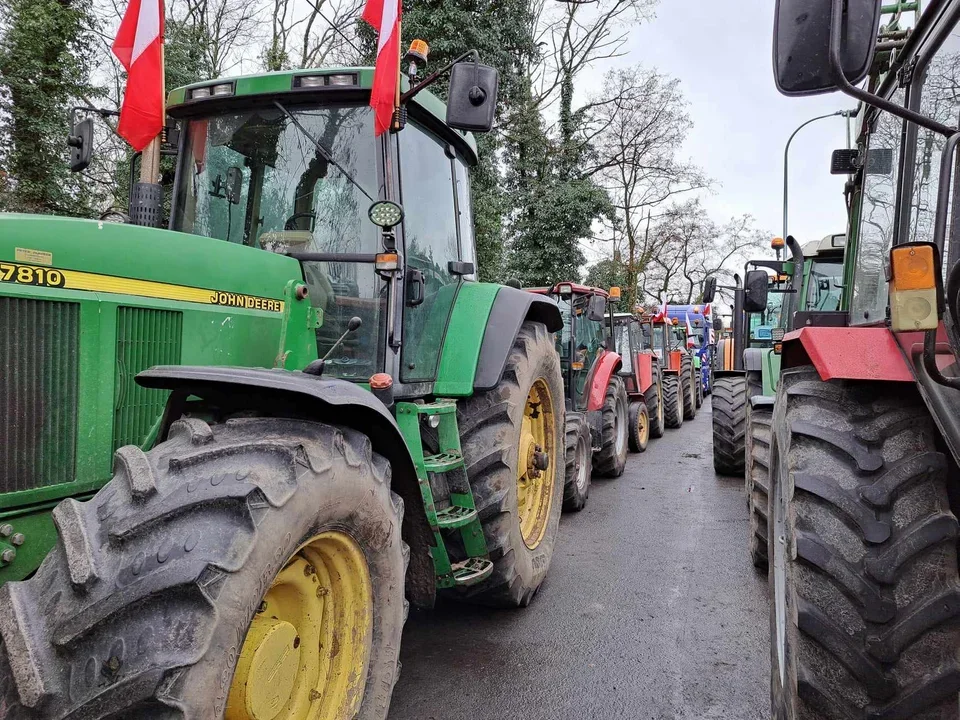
(461,515)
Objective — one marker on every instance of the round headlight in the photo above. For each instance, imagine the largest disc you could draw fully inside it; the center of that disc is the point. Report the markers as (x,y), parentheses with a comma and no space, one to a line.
(385,214)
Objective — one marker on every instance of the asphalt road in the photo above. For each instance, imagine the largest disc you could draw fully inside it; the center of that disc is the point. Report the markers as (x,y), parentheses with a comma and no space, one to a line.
(651,611)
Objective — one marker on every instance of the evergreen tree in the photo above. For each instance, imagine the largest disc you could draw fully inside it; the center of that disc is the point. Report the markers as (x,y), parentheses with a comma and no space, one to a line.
(44,55)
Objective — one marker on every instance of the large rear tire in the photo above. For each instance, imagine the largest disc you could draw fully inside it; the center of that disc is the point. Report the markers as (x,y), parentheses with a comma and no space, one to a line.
(491,426)
(579,453)
(672,401)
(639,426)
(653,397)
(610,460)
(689,382)
(729,425)
(758,484)
(221,548)
(865,596)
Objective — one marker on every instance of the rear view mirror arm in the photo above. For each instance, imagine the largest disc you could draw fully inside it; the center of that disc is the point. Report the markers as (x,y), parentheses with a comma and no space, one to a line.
(436,75)
(836,68)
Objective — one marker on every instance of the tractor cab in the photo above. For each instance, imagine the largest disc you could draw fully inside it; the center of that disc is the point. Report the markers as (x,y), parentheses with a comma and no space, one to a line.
(288,163)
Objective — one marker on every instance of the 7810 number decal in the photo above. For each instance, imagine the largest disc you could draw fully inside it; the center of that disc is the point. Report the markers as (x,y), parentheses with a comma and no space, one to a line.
(29,275)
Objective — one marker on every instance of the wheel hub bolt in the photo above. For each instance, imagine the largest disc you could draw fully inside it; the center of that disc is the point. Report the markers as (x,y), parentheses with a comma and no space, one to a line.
(18,539)
(8,555)
(6,530)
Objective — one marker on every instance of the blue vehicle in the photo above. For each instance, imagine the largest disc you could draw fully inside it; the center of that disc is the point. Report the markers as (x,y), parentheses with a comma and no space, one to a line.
(700,322)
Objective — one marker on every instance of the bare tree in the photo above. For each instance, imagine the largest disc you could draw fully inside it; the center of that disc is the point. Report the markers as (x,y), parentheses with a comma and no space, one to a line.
(312,33)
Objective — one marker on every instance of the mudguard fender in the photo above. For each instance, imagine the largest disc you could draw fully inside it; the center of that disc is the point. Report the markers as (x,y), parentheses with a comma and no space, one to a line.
(283,393)
(606,365)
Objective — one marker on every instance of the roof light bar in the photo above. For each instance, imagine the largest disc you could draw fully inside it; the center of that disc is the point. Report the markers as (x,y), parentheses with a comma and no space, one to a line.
(318,80)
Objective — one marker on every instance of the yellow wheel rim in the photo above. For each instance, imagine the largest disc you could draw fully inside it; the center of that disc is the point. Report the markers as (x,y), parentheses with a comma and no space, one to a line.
(536,468)
(306,652)
(643,428)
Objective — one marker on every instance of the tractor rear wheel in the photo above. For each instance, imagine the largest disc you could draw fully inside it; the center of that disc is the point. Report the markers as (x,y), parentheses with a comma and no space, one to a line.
(519,504)
(253,569)
(729,425)
(688,380)
(653,397)
(864,591)
(758,476)
(672,401)
(579,453)
(639,426)
(610,460)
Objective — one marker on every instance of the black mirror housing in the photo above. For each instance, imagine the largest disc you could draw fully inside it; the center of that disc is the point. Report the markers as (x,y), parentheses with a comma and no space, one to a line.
(596,308)
(472,99)
(709,289)
(844,162)
(755,291)
(801,44)
(80,141)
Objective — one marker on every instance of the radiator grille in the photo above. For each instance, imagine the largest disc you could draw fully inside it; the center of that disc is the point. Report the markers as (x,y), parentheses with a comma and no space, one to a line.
(145,338)
(38,392)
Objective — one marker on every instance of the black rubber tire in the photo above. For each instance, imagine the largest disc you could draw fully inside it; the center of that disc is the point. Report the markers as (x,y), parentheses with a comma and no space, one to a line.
(754,386)
(610,460)
(699,387)
(579,454)
(142,606)
(489,436)
(758,484)
(653,398)
(636,413)
(688,380)
(867,568)
(729,425)
(672,401)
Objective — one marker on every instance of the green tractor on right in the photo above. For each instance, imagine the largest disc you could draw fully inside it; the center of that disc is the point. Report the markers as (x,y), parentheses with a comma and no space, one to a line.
(864,486)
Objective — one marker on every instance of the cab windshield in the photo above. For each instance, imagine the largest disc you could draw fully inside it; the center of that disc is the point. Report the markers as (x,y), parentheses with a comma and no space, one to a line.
(255,178)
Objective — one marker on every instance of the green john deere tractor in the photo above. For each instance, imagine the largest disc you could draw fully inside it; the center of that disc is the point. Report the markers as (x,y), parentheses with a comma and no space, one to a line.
(232,450)
(864,481)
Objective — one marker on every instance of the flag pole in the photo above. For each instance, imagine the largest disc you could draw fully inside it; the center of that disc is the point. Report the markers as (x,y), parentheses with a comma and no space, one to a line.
(150,159)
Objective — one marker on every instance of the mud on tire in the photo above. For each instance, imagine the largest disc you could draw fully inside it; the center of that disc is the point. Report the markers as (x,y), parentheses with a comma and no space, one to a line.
(653,397)
(579,454)
(672,401)
(610,460)
(489,436)
(729,425)
(864,586)
(141,608)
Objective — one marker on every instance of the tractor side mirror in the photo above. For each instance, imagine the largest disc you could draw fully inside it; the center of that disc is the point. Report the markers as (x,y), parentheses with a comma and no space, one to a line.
(80,141)
(472,99)
(709,289)
(879,161)
(718,325)
(844,162)
(801,43)
(596,308)
(755,291)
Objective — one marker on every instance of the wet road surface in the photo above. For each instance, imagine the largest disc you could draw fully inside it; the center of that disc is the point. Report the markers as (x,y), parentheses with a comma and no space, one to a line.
(651,611)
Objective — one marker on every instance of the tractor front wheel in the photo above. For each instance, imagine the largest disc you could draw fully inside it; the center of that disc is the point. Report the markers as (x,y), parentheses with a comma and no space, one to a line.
(639,426)
(864,591)
(611,458)
(758,480)
(729,425)
(244,570)
(579,454)
(653,397)
(672,401)
(513,445)
(688,380)
(699,384)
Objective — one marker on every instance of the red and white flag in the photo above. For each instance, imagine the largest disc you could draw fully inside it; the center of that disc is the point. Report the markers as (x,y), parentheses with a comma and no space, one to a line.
(691,339)
(662,313)
(384,16)
(139,48)
(706,310)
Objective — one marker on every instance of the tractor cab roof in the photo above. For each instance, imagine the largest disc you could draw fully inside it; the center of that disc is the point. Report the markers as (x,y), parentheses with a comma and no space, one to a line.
(830,245)
(575,289)
(296,87)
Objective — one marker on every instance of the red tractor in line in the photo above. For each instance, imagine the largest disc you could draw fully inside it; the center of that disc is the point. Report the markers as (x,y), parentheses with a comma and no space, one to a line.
(642,375)
(595,396)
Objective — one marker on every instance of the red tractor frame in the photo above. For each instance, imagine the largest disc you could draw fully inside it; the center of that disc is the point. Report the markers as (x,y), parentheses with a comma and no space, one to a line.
(643,377)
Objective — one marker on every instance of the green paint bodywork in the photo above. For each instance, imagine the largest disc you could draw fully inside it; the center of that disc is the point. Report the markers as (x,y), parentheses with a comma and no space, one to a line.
(461,344)
(126,327)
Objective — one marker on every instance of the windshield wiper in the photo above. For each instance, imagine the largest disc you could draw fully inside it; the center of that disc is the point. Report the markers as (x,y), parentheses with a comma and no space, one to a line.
(327,155)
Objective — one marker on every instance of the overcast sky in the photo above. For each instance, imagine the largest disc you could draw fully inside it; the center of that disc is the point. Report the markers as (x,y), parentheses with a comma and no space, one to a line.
(741,123)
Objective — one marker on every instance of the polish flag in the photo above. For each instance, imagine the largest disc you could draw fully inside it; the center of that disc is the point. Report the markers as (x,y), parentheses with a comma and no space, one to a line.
(662,314)
(691,340)
(706,309)
(139,48)
(384,16)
